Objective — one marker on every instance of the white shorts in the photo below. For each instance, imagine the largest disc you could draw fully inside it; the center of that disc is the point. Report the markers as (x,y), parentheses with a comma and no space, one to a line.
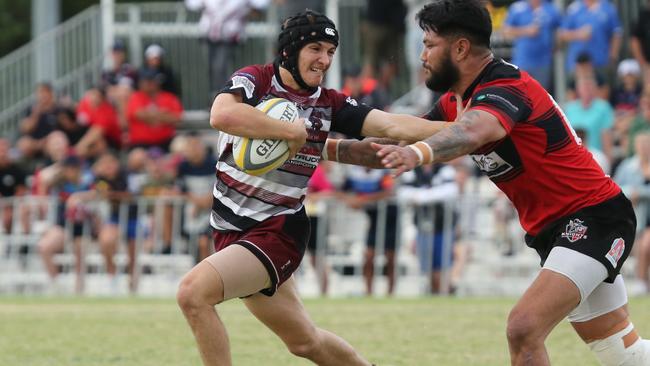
(596,297)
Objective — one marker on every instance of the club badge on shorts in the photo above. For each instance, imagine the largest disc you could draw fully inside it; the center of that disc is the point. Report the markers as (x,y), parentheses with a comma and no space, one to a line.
(616,251)
(575,231)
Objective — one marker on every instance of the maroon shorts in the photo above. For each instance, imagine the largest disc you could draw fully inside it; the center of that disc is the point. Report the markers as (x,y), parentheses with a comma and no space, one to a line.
(278,242)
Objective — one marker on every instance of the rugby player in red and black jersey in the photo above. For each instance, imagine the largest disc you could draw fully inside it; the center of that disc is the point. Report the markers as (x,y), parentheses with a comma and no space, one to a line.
(260,226)
(575,216)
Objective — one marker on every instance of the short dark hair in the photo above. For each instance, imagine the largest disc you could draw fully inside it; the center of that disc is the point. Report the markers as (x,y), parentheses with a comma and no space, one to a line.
(466,18)
(583,58)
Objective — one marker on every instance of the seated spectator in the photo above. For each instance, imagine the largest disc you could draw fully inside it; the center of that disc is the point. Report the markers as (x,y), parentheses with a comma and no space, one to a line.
(532,24)
(152,113)
(194,181)
(159,183)
(585,69)
(46,174)
(428,188)
(592,114)
(111,185)
(99,115)
(70,181)
(633,175)
(40,120)
(12,184)
(67,123)
(119,80)
(153,60)
(626,93)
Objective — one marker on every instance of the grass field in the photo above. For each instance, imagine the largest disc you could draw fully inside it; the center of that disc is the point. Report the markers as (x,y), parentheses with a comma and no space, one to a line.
(428,331)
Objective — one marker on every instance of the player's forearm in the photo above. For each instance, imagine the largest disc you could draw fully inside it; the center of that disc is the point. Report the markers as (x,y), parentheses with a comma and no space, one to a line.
(358,152)
(410,128)
(401,127)
(455,140)
(240,119)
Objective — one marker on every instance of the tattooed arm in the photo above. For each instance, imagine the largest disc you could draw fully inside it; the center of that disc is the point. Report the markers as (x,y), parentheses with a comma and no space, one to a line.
(472,130)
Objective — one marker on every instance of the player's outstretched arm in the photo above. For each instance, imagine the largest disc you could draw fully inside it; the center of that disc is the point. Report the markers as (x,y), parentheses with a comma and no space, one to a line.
(400,127)
(355,152)
(474,129)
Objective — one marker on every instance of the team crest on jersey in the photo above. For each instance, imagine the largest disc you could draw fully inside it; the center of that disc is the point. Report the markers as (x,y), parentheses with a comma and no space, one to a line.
(351,101)
(616,251)
(575,231)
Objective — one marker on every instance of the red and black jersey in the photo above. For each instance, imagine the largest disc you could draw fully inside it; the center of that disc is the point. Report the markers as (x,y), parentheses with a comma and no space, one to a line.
(541,164)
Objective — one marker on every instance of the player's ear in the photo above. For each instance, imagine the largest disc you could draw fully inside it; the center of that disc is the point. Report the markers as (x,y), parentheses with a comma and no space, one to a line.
(461,49)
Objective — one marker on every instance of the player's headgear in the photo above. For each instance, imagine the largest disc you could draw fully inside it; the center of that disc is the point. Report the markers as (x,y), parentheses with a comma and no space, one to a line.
(298,30)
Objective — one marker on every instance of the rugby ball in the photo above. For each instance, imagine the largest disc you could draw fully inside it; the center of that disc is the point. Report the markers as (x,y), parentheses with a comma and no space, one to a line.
(260,156)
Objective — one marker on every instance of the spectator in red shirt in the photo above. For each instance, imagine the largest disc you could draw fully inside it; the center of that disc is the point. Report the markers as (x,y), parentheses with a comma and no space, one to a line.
(96,112)
(152,114)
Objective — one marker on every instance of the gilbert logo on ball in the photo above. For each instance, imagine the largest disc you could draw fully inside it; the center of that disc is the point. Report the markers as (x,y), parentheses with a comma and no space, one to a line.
(260,156)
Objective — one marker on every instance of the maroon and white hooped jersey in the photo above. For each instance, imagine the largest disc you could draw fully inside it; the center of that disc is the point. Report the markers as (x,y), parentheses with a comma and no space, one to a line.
(242,200)
(541,164)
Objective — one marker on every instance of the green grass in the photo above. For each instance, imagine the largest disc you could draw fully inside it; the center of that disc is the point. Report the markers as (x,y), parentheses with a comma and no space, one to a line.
(430,331)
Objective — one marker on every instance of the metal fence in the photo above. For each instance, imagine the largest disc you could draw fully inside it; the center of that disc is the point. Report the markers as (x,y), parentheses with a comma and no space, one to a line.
(340,241)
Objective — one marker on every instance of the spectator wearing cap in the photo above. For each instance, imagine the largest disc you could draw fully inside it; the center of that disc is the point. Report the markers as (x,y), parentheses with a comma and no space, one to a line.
(119,81)
(153,59)
(223,22)
(152,113)
(120,71)
(640,39)
(592,26)
(627,92)
(532,24)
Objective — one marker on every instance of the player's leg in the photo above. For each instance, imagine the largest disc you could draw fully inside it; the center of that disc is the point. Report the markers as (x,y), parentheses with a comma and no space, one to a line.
(286,316)
(544,304)
(231,272)
(602,321)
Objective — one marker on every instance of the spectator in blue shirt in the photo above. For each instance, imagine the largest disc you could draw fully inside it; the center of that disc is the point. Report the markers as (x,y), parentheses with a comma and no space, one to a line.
(592,26)
(593,114)
(532,25)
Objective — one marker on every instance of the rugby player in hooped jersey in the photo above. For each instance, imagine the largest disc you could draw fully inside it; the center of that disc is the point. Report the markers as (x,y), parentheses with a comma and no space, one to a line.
(575,216)
(260,226)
